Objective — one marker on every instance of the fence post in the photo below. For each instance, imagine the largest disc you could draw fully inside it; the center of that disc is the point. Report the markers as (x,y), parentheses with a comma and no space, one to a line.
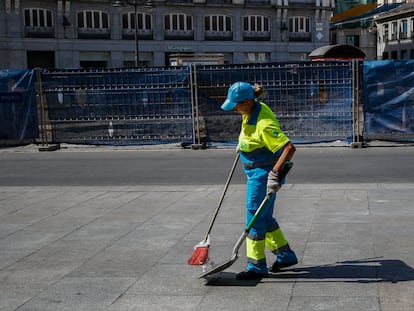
(45,129)
(196,114)
(357,107)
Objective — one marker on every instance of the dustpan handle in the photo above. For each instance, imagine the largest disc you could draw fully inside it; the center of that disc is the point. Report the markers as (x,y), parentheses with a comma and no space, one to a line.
(250,224)
(282,174)
(258,212)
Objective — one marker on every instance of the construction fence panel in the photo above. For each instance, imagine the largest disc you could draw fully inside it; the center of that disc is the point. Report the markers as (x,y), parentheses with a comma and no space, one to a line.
(389,100)
(119,106)
(18,111)
(312,100)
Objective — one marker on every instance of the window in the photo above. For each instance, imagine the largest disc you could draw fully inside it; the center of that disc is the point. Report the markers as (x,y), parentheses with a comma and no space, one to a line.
(178,21)
(257,57)
(42,59)
(299,29)
(144,21)
(256,23)
(299,24)
(96,59)
(403,54)
(385,33)
(38,18)
(412,27)
(93,25)
(218,27)
(334,38)
(221,23)
(394,30)
(93,20)
(178,26)
(352,40)
(404,29)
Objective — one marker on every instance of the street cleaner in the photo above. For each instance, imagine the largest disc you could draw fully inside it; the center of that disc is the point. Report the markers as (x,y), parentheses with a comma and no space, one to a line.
(264,149)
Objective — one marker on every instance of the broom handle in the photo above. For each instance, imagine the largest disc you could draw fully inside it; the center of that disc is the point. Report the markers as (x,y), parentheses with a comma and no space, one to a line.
(222,195)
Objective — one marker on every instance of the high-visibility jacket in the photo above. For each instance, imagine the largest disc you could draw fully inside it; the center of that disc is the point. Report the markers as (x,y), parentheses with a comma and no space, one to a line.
(261,130)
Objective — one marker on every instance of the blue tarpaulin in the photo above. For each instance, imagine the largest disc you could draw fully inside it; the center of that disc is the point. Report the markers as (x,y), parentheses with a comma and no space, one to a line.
(18,113)
(389,97)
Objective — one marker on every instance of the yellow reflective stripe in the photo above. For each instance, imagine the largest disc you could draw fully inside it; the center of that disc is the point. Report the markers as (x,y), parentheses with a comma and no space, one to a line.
(255,249)
(275,240)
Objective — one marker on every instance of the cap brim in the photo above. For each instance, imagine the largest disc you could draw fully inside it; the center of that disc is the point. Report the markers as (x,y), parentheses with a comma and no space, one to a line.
(228,105)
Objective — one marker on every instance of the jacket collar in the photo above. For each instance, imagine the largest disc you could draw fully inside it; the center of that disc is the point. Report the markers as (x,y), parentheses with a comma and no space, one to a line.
(255,114)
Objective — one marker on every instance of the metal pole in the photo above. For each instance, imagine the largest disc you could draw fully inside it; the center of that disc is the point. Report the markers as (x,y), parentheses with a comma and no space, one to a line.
(39,89)
(195,111)
(356,129)
(135,4)
(43,116)
(192,101)
(136,34)
(196,105)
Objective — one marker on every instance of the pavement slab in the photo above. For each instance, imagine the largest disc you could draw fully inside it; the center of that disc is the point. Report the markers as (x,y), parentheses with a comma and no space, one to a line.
(126,248)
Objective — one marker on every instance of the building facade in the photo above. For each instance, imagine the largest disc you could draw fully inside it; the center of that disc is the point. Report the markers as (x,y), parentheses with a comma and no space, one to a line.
(356,27)
(345,5)
(384,30)
(395,33)
(92,33)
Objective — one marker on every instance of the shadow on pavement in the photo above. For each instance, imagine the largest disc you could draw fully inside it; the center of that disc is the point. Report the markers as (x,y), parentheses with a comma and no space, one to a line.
(358,271)
(229,279)
(355,271)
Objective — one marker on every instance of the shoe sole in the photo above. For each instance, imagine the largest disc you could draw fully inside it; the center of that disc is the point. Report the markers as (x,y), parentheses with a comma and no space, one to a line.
(281,266)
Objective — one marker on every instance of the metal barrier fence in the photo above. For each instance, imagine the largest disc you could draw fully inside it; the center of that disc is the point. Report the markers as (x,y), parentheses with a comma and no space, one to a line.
(314,101)
(389,100)
(18,111)
(119,106)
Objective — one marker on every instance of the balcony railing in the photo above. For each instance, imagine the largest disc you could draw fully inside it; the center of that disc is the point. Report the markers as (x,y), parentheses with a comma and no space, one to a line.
(94,33)
(256,35)
(39,32)
(403,35)
(179,1)
(218,35)
(214,1)
(257,2)
(179,34)
(300,36)
(143,34)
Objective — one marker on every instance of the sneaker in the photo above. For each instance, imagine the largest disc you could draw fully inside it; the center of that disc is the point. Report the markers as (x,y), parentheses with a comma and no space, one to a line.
(250,275)
(283,260)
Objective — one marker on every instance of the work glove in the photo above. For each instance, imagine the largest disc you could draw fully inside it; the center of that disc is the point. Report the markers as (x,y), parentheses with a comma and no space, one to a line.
(273,184)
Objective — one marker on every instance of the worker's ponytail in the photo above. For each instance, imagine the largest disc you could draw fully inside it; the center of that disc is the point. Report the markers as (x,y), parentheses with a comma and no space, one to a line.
(259,91)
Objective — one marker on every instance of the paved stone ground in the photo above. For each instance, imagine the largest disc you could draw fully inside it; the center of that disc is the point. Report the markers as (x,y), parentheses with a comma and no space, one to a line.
(125,248)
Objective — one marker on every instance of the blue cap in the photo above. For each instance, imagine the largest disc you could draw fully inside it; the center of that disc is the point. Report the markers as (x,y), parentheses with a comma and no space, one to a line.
(237,93)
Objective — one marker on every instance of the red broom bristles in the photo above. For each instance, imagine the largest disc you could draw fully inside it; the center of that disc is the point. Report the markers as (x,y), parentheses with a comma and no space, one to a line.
(200,256)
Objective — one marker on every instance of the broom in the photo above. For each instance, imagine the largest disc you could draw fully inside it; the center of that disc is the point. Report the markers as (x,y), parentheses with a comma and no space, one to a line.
(200,254)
